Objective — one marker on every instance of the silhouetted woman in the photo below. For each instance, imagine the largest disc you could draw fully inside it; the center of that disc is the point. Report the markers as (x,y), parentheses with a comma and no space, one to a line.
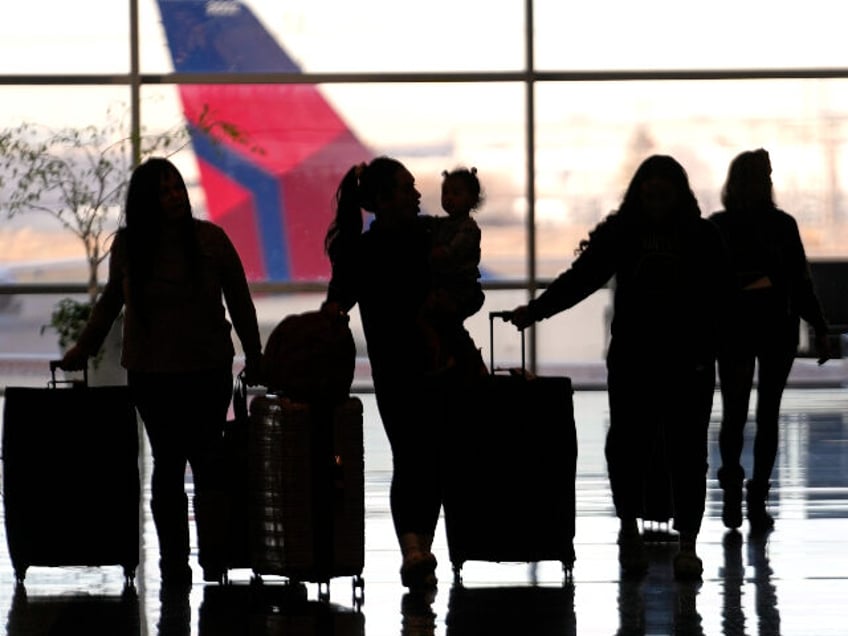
(172,273)
(672,284)
(774,290)
(385,270)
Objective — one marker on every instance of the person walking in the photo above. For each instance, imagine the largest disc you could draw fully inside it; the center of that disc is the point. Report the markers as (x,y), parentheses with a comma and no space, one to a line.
(672,286)
(774,291)
(386,271)
(172,275)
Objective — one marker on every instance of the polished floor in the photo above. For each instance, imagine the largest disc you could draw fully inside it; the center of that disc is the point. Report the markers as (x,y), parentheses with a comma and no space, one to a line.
(793,583)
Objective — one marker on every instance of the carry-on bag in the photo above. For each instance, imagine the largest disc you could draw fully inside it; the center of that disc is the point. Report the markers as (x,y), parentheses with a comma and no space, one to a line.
(510,467)
(71,476)
(222,513)
(307,490)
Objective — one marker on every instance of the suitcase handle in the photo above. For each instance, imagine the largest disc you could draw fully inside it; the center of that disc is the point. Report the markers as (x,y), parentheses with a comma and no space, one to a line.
(57,364)
(505,316)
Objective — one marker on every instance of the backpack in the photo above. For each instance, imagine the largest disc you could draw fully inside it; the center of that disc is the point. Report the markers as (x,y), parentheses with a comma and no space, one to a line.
(310,357)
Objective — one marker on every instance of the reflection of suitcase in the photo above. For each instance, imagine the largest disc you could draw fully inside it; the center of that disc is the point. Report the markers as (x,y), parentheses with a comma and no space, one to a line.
(71,479)
(538,610)
(274,609)
(510,470)
(307,490)
(74,614)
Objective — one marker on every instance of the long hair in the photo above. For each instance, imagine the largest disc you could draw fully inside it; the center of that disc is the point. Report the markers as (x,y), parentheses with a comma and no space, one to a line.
(360,189)
(144,219)
(748,185)
(631,210)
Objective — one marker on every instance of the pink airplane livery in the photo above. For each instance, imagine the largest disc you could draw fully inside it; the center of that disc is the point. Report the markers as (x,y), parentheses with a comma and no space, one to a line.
(275,203)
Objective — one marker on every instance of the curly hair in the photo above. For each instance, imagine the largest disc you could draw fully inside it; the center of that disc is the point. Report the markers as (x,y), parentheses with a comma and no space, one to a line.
(468,178)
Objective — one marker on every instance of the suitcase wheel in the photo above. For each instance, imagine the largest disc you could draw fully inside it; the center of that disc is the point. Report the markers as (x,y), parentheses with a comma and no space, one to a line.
(323,590)
(129,575)
(457,569)
(358,585)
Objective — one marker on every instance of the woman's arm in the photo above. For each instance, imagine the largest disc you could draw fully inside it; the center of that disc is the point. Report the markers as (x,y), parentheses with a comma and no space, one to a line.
(106,309)
(242,310)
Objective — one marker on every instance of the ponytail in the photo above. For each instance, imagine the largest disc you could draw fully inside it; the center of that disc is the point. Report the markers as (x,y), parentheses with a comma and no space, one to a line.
(347,223)
(360,189)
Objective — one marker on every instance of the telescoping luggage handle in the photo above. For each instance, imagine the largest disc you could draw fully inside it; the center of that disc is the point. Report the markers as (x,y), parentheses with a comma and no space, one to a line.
(57,364)
(505,316)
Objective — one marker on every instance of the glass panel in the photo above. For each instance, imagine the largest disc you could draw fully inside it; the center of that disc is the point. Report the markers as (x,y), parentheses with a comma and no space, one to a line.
(279,152)
(331,36)
(434,127)
(591,136)
(45,36)
(663,34)
(34,244)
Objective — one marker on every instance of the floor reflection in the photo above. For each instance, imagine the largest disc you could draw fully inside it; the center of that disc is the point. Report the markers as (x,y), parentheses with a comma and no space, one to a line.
(657,603)
(74,614)
(539,610)
(794,582)
(272,609)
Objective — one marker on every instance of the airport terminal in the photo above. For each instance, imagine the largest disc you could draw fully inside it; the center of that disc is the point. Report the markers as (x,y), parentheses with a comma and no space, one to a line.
(264,106)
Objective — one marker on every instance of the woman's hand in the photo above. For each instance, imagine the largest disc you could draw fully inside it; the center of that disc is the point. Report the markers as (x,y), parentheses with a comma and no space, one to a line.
(75,359)
(521,317)
(253,372)
(823,348)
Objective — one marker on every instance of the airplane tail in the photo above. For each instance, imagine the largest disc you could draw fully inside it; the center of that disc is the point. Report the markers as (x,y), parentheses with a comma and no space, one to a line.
(274,195)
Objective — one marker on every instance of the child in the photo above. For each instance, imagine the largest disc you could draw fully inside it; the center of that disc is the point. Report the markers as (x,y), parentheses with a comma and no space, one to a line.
(454,264)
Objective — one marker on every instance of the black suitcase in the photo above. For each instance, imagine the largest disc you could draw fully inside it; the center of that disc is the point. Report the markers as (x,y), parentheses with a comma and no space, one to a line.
(510,468)
(70,476)
(222,516)
(307,490)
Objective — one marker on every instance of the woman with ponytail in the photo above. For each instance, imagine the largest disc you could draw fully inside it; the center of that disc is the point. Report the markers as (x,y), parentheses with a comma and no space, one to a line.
(384,269)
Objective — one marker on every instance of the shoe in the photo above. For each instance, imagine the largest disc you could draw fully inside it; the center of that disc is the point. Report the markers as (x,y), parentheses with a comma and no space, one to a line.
(687,565)
(731,480)
(418,571)
(756,496)
(632,556)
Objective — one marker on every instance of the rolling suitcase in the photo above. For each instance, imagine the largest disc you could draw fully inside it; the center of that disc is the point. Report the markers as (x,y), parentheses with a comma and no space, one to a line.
(307,499)
(71,476)
(222,515)
(510,468)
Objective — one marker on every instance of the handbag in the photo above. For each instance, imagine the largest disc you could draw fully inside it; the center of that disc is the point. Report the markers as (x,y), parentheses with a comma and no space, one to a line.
(310,357)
